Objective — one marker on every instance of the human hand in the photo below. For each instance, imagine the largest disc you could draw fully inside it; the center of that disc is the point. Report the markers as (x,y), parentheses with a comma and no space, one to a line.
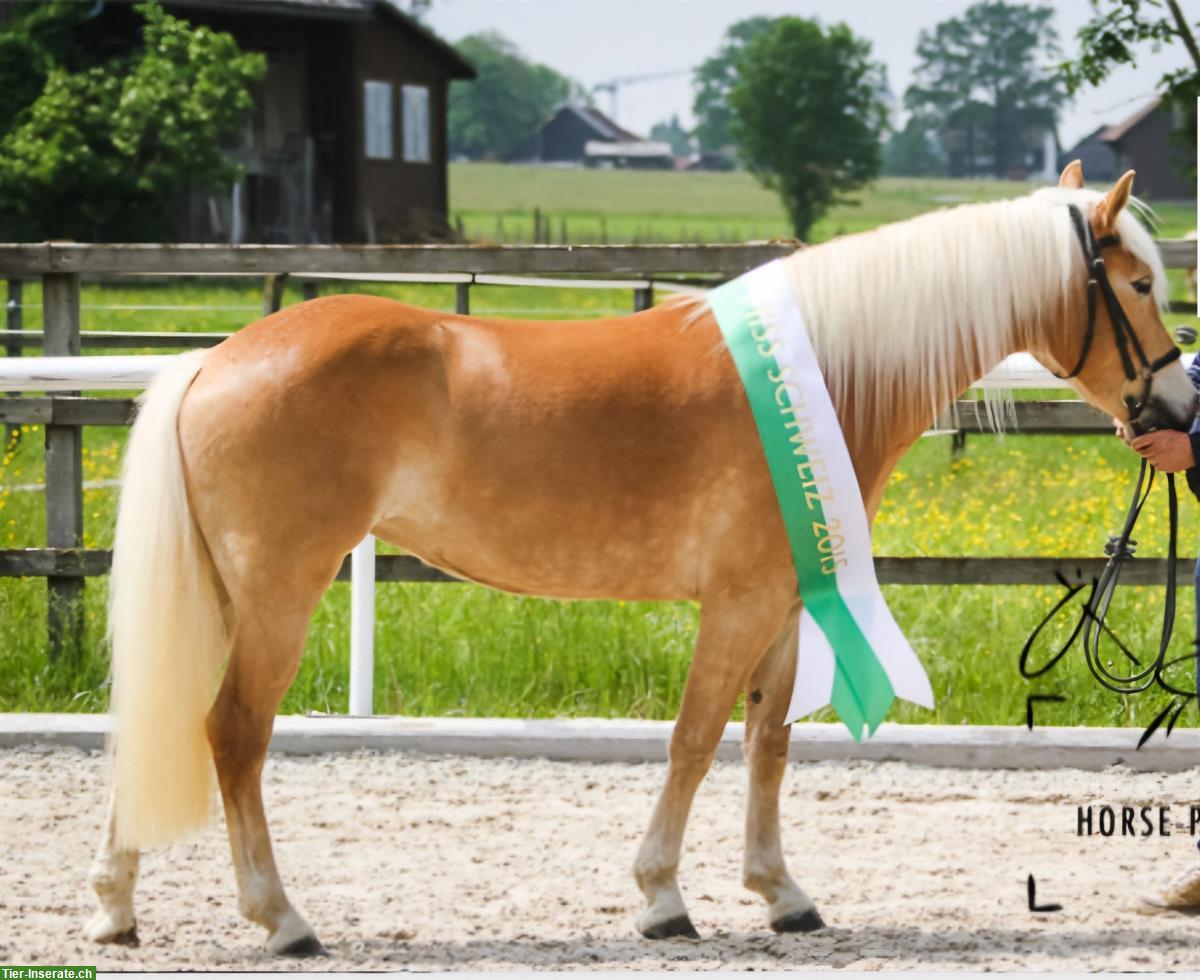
(1168,450)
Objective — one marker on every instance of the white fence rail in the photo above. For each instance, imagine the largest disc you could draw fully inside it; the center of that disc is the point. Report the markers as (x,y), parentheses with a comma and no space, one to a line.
(125,372)
(50,374)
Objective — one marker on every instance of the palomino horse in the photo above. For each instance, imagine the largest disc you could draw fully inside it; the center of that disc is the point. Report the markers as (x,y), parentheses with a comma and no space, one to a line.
(613,459)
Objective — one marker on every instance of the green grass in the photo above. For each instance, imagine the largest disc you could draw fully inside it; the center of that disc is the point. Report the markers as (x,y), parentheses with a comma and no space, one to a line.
(456,649)
(496,202)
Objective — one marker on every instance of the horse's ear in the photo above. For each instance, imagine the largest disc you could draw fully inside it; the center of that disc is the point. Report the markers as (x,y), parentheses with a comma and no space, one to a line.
(1109,208)
(1072,176)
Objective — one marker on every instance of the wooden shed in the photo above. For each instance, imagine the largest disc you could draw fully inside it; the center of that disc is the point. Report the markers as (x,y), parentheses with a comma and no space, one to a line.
(563,138)
(1143,142)
(348,137)
(1098,159)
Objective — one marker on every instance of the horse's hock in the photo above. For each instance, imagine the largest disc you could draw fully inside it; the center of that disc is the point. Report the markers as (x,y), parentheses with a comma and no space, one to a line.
(426,863)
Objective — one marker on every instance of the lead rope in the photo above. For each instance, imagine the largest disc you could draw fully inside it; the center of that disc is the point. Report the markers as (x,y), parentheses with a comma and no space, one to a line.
(1093,623)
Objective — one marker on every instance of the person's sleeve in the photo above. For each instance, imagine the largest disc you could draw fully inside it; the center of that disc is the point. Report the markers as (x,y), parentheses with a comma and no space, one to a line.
(1193,372)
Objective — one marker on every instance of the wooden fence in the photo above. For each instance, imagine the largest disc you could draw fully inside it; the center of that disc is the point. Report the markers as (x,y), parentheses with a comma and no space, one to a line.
(61,266)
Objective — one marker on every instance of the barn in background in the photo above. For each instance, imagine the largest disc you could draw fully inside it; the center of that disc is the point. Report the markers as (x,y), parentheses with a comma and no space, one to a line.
(1099,161)
(1143,142)
(581,134)
(347,142)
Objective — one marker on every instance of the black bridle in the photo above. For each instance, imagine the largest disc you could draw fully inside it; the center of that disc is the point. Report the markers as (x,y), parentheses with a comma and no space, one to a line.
(1123,332)
(1120,548)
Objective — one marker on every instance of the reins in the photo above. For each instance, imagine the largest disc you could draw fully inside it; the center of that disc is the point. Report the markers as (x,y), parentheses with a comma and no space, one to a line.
(1120,548)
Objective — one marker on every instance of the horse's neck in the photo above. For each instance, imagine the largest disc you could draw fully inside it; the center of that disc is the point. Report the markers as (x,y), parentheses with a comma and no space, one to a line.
(878,438)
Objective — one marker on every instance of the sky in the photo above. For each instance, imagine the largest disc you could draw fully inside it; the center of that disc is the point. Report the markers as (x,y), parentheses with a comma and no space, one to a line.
(597,40)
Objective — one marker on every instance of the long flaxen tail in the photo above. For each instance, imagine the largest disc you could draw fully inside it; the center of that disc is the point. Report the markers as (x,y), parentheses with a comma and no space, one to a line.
(165,623)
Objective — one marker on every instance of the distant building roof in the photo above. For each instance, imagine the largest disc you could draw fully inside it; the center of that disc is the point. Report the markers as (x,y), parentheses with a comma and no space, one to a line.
(605,128)
(1111,134)
(338,10)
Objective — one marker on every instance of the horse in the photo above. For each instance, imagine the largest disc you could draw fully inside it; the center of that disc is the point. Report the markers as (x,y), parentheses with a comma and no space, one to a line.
(616,459)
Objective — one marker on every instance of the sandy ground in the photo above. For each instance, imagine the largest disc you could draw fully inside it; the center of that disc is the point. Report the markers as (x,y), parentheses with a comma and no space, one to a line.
(403,862)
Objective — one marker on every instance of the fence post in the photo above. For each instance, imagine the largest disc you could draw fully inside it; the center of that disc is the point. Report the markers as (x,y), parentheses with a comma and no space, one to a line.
(310,289)
(643,297)
(13,320)
(462,298)
(64,470)
(273,286)
(362,627)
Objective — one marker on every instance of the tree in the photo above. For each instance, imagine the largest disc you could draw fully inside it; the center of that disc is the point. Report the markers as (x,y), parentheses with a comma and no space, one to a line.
(672,133)
(984,82)
(1111,37)
(714,80)
(493,115)
(911,152)
(104,152)
(808,111)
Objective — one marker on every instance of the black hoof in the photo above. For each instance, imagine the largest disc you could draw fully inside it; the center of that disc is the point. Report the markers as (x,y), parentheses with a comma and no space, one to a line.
(808,921)
(678,927)
(303,948)
(127,938)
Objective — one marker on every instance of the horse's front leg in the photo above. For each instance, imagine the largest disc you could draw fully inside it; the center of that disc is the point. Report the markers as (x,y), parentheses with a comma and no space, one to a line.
(768,694)
(733,633)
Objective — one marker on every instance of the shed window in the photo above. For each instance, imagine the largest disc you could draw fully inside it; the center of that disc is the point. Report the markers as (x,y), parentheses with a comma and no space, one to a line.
(377,120)
(416,124)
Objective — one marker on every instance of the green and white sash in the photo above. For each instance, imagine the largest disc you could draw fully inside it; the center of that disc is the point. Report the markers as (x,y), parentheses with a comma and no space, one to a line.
(851,652)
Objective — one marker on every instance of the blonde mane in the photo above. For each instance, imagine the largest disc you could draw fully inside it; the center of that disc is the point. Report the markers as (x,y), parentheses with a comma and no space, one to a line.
(916,299)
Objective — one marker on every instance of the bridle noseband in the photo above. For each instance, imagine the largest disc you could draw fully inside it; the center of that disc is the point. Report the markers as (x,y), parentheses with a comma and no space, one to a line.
(1123,332)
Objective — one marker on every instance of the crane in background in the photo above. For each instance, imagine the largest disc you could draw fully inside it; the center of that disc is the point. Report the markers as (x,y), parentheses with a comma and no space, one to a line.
(613,85)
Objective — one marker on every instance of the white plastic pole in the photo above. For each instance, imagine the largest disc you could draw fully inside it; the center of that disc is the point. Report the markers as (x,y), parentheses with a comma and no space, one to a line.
(138,370)
(362,627)
(89,373)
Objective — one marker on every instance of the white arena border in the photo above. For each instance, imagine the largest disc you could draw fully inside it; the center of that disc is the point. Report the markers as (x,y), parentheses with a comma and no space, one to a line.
(605,740)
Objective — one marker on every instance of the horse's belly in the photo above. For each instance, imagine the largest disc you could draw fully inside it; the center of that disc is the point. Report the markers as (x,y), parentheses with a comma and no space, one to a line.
(559,548)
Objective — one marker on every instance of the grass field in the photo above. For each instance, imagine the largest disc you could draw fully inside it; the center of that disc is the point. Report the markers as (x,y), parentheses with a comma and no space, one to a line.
(496,202)
(465,650)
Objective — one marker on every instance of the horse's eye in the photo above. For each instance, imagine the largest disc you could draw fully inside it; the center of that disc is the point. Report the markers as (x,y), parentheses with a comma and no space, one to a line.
(1144,286)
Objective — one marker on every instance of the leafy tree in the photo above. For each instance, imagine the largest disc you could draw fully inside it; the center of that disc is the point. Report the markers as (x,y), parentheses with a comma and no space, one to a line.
(673,133)
(104,152)
(34,38)
(911,152)
(983,83)
(1111,38)
(510,97)
(715,79)
(808,112)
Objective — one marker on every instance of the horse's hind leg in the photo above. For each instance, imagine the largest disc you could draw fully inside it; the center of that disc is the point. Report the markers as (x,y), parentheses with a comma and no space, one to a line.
(112,877)
(269,631)
(768,694)
(732,634)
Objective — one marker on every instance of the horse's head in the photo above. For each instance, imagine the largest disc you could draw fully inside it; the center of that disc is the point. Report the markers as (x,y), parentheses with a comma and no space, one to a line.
(1113,345)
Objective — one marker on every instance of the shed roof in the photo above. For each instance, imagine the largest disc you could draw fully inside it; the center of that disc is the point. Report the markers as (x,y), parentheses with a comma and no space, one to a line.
(600,124)
(339,10)
(1122,129)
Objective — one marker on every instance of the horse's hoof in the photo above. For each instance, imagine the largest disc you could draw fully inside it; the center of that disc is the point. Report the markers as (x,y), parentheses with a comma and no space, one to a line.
(679,927)
(304,948)
(104,929)
(127,938)
(807,921)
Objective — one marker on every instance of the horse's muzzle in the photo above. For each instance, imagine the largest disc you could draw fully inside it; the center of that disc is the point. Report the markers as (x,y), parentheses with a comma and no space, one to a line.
(1161,414)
